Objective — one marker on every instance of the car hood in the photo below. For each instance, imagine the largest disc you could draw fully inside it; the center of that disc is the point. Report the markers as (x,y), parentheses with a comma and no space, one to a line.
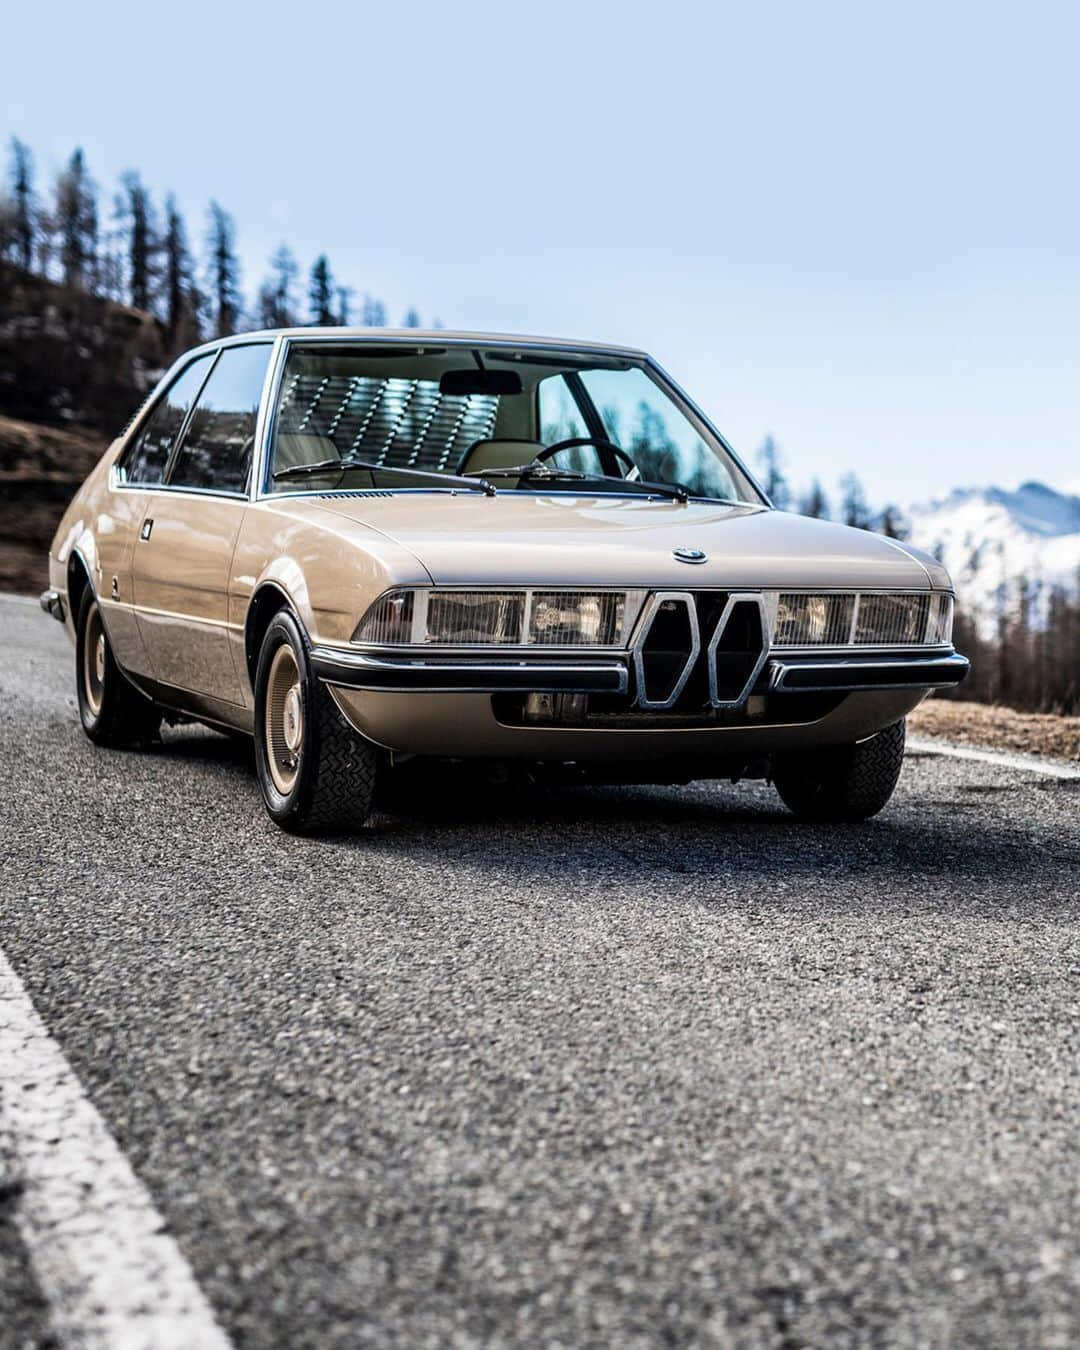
(516,539)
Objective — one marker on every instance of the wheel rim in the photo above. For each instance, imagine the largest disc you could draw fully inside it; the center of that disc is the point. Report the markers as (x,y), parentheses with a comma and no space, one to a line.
(284,719)
(93,657)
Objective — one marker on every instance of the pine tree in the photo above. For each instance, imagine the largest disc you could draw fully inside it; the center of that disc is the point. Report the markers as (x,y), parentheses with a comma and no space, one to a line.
(277,297)
(23,215)
(142,241)
(344,302)
(412,317)
(321,293)
(77,224)
(815,503)
(224,272)
(374,313)
(892,523)
(853,506)
(775,482)
(180,301)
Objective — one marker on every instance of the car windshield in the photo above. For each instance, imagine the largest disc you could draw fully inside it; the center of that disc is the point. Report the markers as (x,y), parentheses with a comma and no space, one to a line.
(360,416)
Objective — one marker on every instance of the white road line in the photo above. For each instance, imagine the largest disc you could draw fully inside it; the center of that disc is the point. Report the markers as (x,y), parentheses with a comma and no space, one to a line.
(1049,768)
(112,1277)
(22,600)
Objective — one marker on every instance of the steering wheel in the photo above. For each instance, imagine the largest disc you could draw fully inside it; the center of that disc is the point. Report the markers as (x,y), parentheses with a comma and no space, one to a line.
(597,442)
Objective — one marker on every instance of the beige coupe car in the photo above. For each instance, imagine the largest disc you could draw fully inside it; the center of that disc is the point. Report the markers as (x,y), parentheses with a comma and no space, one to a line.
(364,548)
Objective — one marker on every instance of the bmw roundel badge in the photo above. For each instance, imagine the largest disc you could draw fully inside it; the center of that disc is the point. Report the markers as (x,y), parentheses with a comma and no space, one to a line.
(690,555)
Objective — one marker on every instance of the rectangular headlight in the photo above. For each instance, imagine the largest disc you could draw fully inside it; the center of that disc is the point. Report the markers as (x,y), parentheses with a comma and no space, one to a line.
(499,618)
(807,620)
(465,617)
(886,620)
(899,620)
(576,618)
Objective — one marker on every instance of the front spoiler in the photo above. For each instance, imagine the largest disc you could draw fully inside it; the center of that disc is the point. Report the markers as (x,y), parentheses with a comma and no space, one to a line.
(491,674)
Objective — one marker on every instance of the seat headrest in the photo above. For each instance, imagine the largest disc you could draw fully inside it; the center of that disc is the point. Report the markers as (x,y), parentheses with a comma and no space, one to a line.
(498,452)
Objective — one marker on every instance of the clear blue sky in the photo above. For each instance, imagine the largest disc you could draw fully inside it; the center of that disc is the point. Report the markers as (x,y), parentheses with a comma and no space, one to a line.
(852,226)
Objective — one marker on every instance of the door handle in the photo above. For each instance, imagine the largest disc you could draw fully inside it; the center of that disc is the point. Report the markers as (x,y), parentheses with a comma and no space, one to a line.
(147,526)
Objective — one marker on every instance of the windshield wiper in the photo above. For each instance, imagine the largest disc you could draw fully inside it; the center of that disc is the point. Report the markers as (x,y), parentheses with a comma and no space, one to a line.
(675,491)
(473,483)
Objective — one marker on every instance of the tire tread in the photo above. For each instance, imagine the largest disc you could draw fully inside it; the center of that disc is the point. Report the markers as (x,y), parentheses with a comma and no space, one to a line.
(851,783)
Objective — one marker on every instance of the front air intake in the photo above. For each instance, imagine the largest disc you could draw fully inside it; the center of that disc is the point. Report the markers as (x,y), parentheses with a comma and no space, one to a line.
(667,647)
(737,650)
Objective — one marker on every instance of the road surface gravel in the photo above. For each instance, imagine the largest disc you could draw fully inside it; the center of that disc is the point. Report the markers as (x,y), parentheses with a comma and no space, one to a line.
(596,1067)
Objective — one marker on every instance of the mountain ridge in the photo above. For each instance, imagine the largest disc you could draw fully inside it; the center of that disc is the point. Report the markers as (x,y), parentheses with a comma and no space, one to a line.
(1003,547)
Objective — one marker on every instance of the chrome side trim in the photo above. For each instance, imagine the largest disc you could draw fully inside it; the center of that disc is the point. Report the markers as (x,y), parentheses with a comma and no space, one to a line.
(645,623)
(361,670)
(937,672)
(735,598)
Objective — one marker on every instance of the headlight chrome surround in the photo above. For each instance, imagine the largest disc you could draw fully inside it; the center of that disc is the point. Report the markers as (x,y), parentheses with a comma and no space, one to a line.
(863,619)
(549,617)
(575,618)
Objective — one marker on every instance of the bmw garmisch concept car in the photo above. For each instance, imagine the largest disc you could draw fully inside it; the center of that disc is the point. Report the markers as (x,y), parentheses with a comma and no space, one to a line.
(365,547)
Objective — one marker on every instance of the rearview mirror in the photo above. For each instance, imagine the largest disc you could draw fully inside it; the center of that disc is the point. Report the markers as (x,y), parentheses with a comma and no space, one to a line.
(465,382)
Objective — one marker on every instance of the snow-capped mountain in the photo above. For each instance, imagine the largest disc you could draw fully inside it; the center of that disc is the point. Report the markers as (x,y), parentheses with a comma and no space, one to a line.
(994,542)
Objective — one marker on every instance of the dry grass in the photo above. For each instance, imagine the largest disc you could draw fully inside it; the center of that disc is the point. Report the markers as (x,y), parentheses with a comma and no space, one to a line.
(997,728)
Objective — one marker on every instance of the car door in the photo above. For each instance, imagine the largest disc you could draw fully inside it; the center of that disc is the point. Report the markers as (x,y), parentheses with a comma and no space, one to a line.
(183,554)
(138,472)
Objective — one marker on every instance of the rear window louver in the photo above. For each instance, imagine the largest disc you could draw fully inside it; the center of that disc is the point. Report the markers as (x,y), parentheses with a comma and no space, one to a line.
(396,423)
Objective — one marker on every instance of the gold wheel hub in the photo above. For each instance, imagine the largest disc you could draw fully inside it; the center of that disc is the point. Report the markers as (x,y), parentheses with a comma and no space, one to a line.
(284,720)
(93,657)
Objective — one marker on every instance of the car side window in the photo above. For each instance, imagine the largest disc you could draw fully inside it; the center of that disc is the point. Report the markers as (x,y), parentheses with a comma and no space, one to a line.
(216,450)
(145,462)
(560,416)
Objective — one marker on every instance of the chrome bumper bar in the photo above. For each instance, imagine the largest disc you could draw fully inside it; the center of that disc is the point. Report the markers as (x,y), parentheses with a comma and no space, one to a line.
(530,674)
(928,672)
(52,603)
(487,675)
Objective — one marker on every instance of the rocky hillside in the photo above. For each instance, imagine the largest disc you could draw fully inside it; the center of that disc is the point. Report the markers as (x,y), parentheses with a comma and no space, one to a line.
(73,368)
(72,359)
(40,468)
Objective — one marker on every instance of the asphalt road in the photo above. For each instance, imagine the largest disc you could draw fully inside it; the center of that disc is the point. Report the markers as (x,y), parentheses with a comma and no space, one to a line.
(608,1067)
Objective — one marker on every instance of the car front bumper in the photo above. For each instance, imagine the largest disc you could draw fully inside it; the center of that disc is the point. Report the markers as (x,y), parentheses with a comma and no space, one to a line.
(488,674)
(399,673)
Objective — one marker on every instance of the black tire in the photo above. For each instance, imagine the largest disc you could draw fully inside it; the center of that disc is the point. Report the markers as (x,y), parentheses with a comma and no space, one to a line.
(325,782)
(849,783)
(112,711)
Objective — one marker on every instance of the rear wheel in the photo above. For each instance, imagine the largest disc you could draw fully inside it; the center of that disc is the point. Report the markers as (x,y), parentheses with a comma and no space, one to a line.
(112,711)
(850,782)
(317,775)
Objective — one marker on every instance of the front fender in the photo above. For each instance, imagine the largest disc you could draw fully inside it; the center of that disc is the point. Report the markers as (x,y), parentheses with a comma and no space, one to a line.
(329,571)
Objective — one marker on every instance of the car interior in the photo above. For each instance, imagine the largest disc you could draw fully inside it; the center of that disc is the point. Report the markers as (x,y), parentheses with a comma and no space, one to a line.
(361,417)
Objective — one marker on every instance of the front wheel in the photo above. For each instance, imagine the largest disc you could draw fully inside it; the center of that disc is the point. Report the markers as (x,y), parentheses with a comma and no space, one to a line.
(317,775)
(112,711)
(848,783)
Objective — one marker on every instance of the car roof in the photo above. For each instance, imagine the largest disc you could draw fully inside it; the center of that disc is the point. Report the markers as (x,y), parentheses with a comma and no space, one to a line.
(426,337)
